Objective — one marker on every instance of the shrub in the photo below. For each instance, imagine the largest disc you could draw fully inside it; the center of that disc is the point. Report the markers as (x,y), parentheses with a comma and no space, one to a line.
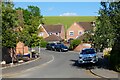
(115,61)
(74,44)
(106,52)
(43,43)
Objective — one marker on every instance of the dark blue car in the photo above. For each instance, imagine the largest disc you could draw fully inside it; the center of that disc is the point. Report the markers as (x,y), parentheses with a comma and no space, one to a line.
(61,47)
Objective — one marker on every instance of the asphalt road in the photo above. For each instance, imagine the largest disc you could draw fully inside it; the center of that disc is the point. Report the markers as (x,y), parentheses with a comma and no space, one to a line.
(62,65)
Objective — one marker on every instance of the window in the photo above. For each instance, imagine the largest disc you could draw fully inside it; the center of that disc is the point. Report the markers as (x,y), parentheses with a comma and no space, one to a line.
(57,34)
(71,33)
(79,33)
(50,33)
(41,34)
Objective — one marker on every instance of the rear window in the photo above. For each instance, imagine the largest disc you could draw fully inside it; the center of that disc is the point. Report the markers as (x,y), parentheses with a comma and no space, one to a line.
(52,44)
(88,51)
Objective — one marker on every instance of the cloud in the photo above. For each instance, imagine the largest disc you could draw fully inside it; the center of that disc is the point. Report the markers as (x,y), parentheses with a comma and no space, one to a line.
(50,9)
(69,14)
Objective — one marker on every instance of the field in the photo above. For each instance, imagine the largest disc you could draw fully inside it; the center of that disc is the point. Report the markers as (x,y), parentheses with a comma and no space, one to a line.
(67,21)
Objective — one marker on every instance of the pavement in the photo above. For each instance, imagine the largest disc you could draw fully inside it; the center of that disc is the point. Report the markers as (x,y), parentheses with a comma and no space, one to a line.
(104,73)
(103,69)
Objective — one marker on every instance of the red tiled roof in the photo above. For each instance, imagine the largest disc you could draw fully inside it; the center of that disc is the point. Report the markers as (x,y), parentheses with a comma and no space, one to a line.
(53,38)
(53,28)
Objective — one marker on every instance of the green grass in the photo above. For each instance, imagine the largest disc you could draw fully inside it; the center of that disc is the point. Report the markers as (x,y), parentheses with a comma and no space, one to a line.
(67,21)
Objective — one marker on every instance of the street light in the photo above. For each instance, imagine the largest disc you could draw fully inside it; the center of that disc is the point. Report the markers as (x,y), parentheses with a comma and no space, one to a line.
(39,47)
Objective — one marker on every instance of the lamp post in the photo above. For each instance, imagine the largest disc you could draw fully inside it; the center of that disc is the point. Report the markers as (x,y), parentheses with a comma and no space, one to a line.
(39,47)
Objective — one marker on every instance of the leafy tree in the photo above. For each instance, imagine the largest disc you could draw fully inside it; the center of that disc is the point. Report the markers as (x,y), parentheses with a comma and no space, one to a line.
(32,19)
(9,23)
(107,33)
(115,21)
(104,31)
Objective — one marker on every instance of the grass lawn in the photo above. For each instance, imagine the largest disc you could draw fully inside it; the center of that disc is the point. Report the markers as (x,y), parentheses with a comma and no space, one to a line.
(67,21)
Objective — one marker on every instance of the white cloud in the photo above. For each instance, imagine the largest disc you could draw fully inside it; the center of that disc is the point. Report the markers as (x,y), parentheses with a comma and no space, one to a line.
(50,9)
(69,14)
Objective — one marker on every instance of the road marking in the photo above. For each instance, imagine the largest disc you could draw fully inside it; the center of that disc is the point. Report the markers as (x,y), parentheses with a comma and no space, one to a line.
(39,66)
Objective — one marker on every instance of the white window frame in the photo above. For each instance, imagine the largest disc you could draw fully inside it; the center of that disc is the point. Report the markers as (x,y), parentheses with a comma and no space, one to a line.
(57,34)
(50,33)
(41,34)
(70,33)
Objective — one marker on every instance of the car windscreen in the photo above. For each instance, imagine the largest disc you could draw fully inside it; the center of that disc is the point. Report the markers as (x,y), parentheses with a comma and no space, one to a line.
(63,46)
(52,44)
(88,51)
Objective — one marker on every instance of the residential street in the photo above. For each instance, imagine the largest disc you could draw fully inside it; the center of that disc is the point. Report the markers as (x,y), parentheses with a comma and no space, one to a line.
(61,65)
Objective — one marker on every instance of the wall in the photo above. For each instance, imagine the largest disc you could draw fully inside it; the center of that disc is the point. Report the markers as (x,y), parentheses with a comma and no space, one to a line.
(21,48)
(76,28)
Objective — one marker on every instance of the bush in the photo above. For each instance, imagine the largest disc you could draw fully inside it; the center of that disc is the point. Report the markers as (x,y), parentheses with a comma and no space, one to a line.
(106,52)
(115,61)
(74,44)
(43,43)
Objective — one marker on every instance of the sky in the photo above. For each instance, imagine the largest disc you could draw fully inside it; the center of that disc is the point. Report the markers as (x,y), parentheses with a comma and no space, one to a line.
(63,8)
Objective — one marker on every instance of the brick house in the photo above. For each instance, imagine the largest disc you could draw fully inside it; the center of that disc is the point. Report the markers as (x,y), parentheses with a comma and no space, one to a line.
(56,31)
(78,28)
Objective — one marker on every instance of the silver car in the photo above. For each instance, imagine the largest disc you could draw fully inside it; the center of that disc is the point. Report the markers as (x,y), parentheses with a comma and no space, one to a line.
(87,55)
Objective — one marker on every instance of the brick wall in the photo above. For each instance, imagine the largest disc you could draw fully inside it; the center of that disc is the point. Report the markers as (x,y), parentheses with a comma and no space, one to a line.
(81,46)
(21,48)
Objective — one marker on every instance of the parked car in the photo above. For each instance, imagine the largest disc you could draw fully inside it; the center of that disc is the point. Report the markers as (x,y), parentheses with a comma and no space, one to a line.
(61,47)
(87,55)
(50,46)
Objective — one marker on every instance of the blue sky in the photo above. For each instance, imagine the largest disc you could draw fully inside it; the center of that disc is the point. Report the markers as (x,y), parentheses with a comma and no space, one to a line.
(64,8)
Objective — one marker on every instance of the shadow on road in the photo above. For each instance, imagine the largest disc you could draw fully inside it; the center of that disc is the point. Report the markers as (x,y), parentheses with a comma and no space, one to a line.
(102,63)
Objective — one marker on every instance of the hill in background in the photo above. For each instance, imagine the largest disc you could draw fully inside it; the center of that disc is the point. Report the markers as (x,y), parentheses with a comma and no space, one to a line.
(67,21)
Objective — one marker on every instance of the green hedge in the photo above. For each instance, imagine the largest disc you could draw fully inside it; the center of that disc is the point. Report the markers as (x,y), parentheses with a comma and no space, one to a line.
(74,44)
(43,44)
(115,60)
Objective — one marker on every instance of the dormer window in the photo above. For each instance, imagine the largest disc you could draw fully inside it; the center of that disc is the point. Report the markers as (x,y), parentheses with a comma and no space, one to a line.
(50,33)
(57,34)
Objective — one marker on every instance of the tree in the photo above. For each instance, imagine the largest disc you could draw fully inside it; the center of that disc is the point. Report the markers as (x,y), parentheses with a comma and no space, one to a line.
(32,19)
(9,23)
(104,37)
(107,33)
(115,21)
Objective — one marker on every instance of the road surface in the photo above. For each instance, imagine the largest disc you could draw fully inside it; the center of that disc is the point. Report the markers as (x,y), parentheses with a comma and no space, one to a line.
(61,65)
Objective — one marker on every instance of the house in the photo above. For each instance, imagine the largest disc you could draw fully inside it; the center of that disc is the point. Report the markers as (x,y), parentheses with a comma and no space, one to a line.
(51,32)
(78,29)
